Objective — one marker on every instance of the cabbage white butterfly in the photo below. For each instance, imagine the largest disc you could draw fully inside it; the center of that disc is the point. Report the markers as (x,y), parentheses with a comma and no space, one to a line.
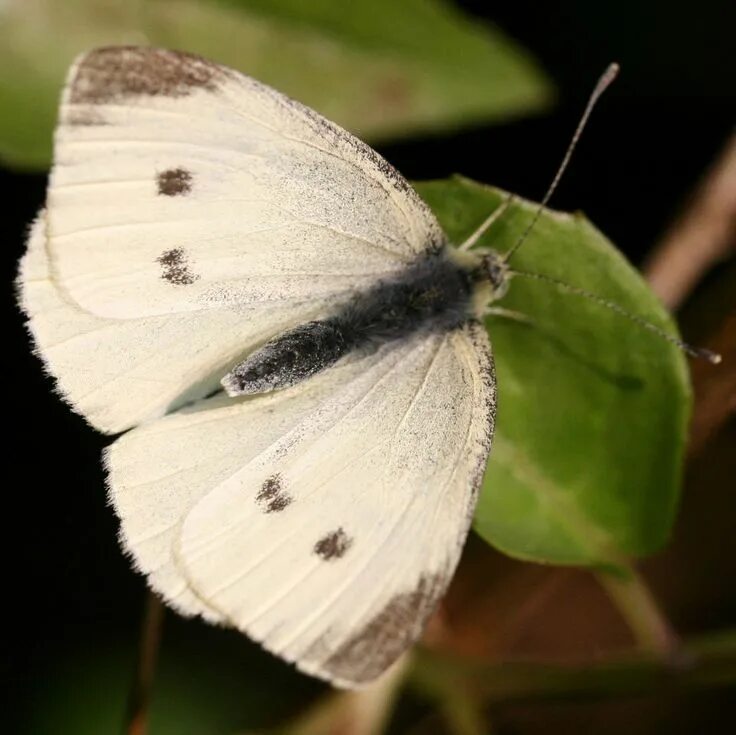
(199,224)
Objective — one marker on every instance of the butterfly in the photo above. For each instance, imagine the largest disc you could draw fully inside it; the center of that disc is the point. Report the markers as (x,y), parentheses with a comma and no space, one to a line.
(201,231)
(292,346)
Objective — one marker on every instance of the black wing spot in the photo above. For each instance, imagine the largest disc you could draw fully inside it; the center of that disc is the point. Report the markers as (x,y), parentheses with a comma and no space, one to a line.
(174,181)
(272,498)
(175,268)
(333,545)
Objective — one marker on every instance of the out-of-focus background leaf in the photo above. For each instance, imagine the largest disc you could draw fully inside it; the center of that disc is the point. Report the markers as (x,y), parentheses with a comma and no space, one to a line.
(381,68)
(206,684)
(592,409)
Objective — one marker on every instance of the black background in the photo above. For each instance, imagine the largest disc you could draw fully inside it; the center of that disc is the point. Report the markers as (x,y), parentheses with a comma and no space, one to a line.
(67,586)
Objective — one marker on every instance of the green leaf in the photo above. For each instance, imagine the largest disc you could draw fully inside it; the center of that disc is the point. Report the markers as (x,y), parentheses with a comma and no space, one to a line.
(378,67)
(592,409)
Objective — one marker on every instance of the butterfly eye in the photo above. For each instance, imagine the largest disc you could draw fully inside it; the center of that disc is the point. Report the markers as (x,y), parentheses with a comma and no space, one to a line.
(495,270)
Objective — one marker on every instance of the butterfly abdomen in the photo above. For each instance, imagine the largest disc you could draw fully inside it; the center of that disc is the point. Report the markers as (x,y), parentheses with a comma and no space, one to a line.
(289,358)
(431,294)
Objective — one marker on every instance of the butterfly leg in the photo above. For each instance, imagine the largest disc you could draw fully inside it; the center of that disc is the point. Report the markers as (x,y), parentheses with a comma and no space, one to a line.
(487,222)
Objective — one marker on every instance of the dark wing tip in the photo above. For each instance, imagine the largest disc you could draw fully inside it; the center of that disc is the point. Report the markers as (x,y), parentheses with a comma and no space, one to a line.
(114,73)
(375,647)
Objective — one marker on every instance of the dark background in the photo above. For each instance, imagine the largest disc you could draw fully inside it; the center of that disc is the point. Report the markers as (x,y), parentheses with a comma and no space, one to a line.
(69,590)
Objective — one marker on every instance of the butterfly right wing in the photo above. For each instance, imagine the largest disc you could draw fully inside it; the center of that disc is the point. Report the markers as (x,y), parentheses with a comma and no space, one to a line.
(191,214)
(324,520)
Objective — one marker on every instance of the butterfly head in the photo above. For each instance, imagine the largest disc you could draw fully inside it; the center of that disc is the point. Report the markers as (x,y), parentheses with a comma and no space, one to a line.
(495,270)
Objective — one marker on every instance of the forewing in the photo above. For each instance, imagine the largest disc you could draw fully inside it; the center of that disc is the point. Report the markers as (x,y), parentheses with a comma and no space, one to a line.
(324,521)
(180,185)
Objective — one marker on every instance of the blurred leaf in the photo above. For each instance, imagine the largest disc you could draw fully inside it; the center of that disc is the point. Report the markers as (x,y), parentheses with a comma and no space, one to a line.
(592,409)
(378,67)
(209,681)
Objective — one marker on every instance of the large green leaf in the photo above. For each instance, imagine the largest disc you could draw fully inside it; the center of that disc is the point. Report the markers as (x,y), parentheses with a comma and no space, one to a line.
(592,409)
(378,67)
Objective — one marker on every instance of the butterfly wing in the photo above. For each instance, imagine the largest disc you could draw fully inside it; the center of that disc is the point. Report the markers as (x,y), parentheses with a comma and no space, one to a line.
(324,521)
(117,373)
(191,214)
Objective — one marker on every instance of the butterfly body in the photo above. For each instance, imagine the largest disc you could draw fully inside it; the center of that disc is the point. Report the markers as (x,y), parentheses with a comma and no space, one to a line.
(433,294)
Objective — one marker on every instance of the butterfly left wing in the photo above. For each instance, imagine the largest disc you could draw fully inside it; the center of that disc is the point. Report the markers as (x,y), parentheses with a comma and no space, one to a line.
(336,535)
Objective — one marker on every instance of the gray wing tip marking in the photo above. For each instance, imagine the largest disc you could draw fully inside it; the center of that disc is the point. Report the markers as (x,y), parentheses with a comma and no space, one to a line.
(114,73)
(368,653)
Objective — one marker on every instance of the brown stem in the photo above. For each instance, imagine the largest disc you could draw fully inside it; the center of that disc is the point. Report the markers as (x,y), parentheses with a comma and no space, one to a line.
(139,698)
(361,712)
(715,388)
(632,597)
(703,235)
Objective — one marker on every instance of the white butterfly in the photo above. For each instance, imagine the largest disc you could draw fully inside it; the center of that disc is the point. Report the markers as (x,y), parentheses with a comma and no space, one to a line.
(199,224)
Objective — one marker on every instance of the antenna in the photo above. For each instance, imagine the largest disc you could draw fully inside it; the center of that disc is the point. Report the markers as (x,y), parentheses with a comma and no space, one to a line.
(500,269)
(603,83)
(712,357)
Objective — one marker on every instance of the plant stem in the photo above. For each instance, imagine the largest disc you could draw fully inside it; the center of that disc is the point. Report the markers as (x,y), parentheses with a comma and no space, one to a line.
(462,712)
(707,662)
(634,600)
(701,237)
(372,707)
(361,712)
(139,698)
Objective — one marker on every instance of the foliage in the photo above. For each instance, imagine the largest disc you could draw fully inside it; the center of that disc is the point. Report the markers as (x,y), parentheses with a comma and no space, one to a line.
(381,69)
(593,409)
